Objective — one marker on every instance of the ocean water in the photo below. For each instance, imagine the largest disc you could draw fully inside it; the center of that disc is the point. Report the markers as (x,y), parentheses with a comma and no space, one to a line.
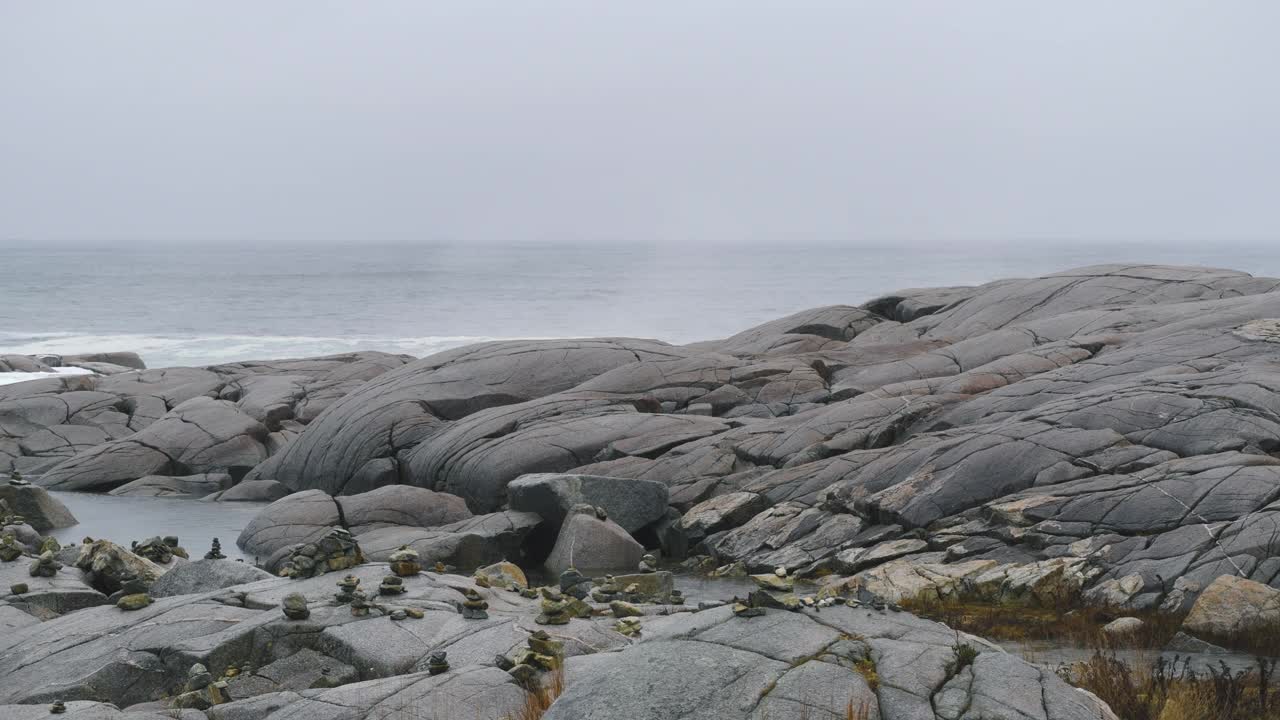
(204,304)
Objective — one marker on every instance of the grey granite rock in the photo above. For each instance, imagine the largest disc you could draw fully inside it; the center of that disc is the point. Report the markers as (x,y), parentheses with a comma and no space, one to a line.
(631,503)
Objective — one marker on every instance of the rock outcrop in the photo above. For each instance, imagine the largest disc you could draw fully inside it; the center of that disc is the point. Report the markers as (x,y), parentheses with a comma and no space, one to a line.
(234,644)
(1104,434)
(74,429)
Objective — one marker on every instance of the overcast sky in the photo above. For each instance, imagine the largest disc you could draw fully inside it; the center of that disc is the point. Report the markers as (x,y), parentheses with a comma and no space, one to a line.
(607,120)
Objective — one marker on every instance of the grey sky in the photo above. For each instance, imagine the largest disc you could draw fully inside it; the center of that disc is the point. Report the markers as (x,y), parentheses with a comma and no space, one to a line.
(675,121)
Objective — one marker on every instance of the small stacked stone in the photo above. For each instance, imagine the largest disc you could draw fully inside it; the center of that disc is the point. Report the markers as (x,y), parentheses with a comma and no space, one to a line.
(473,606)
(15,478)
(215,551)
(347,587)
(58,707)
(629,626)
(438,662)
(774,591)
(360,605)
(198,678)
(648,564)
(391,585)
(540,654)
(45,566)
(295,607)
(574,583)
(50,544)
(607,591)
(405,562)
(555,610)
(10,550)
(157,551)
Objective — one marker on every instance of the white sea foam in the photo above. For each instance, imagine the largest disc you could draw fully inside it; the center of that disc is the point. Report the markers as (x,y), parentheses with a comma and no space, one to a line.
(8,378)
(196,350)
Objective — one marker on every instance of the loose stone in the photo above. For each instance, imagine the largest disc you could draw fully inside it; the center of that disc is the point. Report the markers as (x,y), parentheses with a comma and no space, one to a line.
(295,607)
(137,601)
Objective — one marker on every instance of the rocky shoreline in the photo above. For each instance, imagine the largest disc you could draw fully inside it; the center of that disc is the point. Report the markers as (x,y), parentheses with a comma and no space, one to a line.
(1101,437)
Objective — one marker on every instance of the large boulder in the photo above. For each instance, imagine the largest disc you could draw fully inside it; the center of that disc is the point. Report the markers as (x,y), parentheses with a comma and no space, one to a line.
(205,575)
(252,491)
(186,486)
(40,509)
(593,545)
(404,505)
(356,444)
(44,423)
(467,544)
(107,565)
(299,518)
(306,516)
(126,359)
(1232,607)
(201,435)
(629,502)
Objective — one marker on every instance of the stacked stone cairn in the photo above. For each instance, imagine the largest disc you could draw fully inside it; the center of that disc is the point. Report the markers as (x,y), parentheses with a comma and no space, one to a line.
(438,663)
(473,606)
(202,691)
(360,604)
(575,584)
(555,608)
(336,551)
(648,564)
(628,626)
(405,562)
(162,550)
(10,550)
(541,654)
(45,566)
(347,587)
(215,551)
(607,591)
(132,594)
(391,585)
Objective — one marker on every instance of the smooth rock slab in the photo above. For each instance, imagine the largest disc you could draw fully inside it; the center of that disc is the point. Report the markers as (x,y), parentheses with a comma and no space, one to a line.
(593,545)
(203,576)
(629,502)
(40,509)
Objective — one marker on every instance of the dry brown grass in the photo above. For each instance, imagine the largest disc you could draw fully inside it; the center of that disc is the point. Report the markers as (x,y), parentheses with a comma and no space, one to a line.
(538,701)
(861,711)
(1078,627)
(1167,691)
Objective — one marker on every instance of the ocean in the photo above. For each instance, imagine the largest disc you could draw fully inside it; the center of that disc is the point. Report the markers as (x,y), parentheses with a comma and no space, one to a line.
(211,303)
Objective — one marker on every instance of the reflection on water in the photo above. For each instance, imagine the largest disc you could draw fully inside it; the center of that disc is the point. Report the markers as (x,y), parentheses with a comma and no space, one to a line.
(124,519)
